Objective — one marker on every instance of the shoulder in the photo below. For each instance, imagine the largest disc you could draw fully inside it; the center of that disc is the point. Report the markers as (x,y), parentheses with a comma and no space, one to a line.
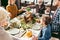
(7,6)
(47,28)
(15,5)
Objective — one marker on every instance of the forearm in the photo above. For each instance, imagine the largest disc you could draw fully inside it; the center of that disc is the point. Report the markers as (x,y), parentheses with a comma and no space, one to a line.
(19,11)
(32,6)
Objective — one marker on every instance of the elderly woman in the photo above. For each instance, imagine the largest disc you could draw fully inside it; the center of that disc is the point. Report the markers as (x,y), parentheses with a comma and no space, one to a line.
(3,22)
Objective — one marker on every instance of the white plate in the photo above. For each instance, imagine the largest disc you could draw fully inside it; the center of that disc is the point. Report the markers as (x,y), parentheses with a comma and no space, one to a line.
(14,31)
(36,26)
(14,20)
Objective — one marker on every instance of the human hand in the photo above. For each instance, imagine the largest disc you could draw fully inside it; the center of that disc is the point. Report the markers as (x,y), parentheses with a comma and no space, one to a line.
(34,37)
(23,8)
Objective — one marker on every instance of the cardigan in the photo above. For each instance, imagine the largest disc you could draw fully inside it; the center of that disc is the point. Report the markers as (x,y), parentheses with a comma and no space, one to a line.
(13,10)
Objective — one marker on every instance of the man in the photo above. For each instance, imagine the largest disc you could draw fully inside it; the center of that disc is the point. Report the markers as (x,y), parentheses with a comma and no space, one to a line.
(40,7)
(56,17)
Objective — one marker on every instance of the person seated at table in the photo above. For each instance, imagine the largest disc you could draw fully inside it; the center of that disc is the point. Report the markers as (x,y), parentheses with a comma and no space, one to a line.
(3,24)
(40,7)
(47,10)
(45,33)
(56,18)
(46,30)
(12,8)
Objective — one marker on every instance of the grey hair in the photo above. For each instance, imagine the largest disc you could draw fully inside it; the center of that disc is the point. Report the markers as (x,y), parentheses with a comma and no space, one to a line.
(3,14)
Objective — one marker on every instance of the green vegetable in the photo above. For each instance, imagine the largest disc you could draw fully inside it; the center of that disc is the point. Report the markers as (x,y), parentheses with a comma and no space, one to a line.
(28,9)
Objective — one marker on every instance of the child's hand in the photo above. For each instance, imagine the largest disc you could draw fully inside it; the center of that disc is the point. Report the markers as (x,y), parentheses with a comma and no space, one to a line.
(34,38)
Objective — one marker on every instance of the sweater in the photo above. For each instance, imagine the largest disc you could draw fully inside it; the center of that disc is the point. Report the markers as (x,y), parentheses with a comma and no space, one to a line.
(13,10)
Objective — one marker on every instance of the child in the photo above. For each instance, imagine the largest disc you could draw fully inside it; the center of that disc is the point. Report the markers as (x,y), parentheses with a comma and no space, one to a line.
(47,11)
(46,30)
(45,33)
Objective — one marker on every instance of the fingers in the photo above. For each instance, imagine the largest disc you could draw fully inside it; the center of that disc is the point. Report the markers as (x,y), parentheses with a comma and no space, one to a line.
(34,38)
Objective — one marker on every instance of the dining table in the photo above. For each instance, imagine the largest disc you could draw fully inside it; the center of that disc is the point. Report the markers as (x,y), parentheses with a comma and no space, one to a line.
(20,32)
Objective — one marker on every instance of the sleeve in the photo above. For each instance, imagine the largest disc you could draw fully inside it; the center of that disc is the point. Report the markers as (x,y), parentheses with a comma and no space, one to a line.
(4,35)
(7,8)
(19,11)
(32,6)
(57,18)
(45,34)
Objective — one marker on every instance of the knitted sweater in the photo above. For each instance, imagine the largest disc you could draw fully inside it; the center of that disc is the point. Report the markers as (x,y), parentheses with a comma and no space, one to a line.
(13,10)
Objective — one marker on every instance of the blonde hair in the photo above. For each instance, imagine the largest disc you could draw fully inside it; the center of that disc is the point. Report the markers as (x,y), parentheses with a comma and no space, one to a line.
(9,1)
(3,14)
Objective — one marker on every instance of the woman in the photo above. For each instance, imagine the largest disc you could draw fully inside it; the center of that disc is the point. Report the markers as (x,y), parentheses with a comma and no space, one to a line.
(3,22)
(12,8)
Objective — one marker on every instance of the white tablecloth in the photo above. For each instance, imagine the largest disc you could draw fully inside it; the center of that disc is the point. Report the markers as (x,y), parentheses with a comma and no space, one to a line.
(34,32)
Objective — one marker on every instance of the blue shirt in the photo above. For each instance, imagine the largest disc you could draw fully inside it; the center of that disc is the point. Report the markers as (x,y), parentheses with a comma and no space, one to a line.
(46,33)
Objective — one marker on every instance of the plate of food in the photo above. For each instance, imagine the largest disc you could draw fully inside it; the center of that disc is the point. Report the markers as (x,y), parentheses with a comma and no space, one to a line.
(36,26)
(13,31)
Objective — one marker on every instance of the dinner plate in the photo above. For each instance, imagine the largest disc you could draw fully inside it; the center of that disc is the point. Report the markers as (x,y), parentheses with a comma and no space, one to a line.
(36,26)
(14,31)
(14,20)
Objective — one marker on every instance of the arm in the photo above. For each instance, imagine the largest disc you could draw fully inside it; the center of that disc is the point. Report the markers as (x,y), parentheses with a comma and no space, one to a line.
(7,8)
(43,37)
(32,6)
(19,11)
(46,34)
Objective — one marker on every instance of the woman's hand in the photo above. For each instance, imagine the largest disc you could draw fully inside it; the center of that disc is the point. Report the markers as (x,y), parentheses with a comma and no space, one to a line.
(23,8)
